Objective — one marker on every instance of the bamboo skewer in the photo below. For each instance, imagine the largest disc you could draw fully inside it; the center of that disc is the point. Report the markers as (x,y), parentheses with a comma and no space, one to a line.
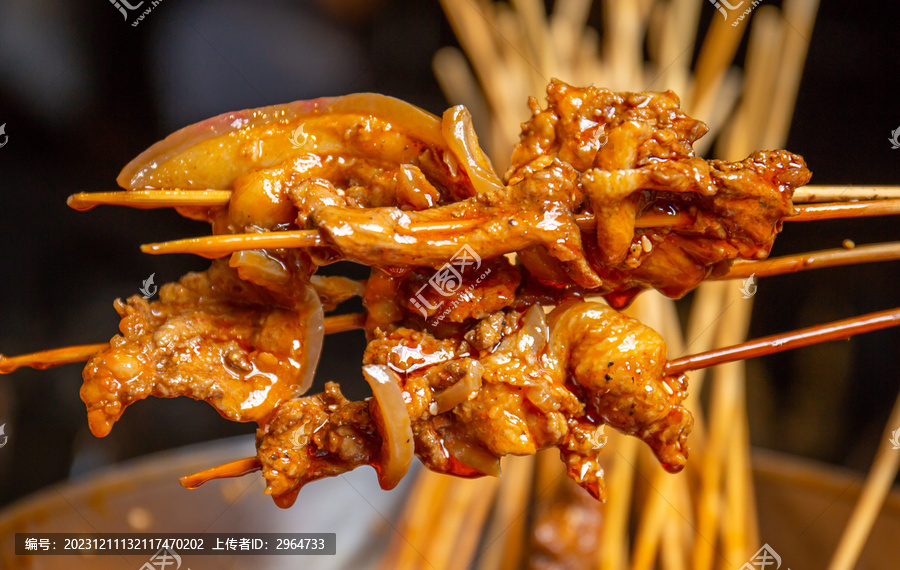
(725,401)
(220,245)
(505,531)
(813,260)
(212,247)
(49,358)
(878,484)
(83,352)
(776,343)
(837,330)
(813,193)
(416,521)
(145,199)
(237,468)
(815,212)
(660,506)
(173,197)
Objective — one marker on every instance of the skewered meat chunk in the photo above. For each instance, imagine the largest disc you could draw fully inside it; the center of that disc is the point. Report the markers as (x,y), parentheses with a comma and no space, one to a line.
(207,339)
(314,437)
(634,156)
(618,368)
(468,404)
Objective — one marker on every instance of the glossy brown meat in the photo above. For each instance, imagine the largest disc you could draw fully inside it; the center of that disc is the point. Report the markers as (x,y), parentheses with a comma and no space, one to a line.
(634,156)
(515,385)
(314,437)
(210,336)
(618,367)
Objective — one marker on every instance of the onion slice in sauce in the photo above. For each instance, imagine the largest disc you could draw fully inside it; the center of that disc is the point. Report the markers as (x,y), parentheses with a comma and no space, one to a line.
(392,420)
(462,389)
(463,143)
(213,152)
(472,455)
(315,336)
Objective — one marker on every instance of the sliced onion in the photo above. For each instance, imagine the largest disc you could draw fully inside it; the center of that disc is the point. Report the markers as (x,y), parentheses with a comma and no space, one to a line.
(535,333)
(473,456)
(459,133)
(257,266)
(462,389)
(397,448)
(251,139)
(314,317)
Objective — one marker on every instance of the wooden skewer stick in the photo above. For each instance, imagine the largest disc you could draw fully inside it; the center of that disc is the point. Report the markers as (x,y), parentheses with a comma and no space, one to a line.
(212,247)
(145,199)
(237,468)
(836,330)
(342,323)
(84,352)
(871,500)
(220,245)
(814,260)
(172,197)
(49,358)
(813,193)
(836,210)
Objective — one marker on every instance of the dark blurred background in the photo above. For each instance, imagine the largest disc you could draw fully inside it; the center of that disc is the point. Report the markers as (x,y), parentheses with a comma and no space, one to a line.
(82,92)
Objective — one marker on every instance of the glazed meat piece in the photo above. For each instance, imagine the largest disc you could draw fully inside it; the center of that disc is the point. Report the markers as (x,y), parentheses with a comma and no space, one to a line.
(468,403)
(638,175)
(618,368)
(538,210)
(314,437)
(211,336)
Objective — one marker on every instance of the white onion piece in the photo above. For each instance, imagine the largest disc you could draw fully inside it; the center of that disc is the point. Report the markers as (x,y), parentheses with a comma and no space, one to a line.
(535,333)
(461,390)
(473,457)
(456,125)
(397,448)
(315,335)
(258,138)
(259,267)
